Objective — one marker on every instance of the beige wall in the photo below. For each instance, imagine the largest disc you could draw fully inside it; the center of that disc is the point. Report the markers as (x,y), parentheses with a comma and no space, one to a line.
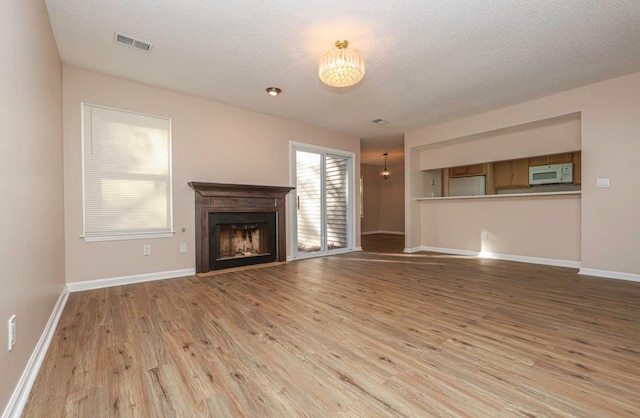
(211,142)
(392,200)
(371,186)
(543,227)
(383,199)
(610,229)
(31,221)
(550,136)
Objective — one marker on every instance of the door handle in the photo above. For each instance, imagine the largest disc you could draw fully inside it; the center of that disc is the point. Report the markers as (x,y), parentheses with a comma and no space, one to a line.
(298,202)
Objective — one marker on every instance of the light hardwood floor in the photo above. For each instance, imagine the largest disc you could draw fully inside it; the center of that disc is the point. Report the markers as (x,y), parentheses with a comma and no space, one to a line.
(361,334)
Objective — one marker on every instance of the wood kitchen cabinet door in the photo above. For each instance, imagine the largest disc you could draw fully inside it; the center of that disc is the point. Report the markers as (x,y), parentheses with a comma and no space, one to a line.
(563,158)
(502,174)
(567,157)
(577,167)
(476,169)
(520,173)
(541,160)
(511,174)
(468,170)
(458,171)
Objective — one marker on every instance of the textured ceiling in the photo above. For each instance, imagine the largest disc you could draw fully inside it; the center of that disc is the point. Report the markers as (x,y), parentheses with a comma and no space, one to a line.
(427,60)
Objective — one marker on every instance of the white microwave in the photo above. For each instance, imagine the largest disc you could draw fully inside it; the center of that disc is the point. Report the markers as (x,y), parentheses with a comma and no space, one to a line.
(550,174)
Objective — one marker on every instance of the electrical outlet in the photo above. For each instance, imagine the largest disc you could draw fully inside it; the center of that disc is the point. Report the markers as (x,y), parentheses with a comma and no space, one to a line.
(146,249)
(183,247)
(11,340)
(484,235)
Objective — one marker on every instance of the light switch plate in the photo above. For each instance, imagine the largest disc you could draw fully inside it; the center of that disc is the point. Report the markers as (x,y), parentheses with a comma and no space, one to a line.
(183,247)
(602,183)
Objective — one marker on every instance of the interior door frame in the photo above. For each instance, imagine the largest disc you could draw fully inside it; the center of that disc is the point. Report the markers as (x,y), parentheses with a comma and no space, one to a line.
(351,203)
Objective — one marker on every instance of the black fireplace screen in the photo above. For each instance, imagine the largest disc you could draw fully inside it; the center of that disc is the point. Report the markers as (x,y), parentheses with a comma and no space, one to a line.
(242,238)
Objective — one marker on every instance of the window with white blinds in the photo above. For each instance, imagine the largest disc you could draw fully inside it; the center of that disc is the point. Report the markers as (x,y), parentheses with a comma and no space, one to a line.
(126,174)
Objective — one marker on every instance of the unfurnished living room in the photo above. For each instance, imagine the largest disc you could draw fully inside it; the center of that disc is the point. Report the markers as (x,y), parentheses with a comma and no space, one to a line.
(276,208)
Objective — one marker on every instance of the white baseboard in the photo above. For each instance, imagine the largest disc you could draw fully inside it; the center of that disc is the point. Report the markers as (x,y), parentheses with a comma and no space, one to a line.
(498,256)
(22,390)
(412,250)
(382,232)
(610,274)
(533,260)
(358,249)
(449,251)
(138,278)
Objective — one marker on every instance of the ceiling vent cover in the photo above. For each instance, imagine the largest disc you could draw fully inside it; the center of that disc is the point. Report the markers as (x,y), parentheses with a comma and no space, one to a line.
(132,43)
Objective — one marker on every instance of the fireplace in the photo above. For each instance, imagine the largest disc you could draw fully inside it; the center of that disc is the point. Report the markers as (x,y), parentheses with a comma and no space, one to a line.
(238,225)
(240,239)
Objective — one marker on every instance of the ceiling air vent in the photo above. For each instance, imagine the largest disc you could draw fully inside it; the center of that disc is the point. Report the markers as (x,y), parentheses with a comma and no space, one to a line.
(132,43)
(380,121)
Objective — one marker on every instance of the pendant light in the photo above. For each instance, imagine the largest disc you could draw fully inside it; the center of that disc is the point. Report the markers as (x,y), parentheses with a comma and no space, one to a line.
(385,173)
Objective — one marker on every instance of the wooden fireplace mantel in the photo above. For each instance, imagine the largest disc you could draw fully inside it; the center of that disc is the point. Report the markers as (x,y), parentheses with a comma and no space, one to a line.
(222,197)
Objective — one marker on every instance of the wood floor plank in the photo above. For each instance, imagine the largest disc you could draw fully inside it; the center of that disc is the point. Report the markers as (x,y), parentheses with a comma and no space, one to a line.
(360,334)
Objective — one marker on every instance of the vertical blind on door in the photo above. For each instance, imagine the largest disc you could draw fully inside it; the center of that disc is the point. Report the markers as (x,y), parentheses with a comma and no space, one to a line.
(126,174)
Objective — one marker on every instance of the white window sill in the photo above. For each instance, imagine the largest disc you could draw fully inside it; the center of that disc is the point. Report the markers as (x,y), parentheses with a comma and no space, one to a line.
(148,235)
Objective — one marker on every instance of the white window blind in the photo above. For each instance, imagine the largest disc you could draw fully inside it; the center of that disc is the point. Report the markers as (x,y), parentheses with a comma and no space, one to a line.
(126,174)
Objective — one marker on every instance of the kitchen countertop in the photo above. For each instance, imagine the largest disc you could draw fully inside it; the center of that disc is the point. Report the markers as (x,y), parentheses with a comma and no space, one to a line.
(500,196)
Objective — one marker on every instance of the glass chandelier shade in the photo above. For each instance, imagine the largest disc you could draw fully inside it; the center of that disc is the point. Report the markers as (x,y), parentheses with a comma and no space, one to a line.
(341,67)
(385,173)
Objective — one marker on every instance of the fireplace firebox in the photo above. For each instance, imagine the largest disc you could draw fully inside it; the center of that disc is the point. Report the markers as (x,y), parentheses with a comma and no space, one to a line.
(240,239)
(238,225)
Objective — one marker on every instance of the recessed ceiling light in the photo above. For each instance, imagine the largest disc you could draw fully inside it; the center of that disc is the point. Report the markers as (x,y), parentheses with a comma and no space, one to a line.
(380,121)
(273,91)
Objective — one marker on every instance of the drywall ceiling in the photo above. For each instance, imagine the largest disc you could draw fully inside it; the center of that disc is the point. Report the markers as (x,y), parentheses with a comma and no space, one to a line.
(372,150)
(427,61)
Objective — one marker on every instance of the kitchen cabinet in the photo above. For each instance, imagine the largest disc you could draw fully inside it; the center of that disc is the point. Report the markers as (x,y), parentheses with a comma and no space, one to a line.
(511,174)
(502,174)
(577,167)
(566,157)
(468,170)
(563,158)
(520,169)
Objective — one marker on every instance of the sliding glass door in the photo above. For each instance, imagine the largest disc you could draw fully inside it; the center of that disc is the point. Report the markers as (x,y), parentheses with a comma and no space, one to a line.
(323,201)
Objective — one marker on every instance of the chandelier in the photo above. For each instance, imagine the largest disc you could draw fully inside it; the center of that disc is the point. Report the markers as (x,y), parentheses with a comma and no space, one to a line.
(341,67)
(385,173)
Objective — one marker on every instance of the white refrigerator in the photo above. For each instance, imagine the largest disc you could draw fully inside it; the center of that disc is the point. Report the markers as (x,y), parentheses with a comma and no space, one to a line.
(466,186)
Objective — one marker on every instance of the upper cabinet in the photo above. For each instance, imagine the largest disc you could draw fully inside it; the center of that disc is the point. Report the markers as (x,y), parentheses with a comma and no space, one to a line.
(514,174)
(577,167)
(468,170)
(511,174)
(566,157)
